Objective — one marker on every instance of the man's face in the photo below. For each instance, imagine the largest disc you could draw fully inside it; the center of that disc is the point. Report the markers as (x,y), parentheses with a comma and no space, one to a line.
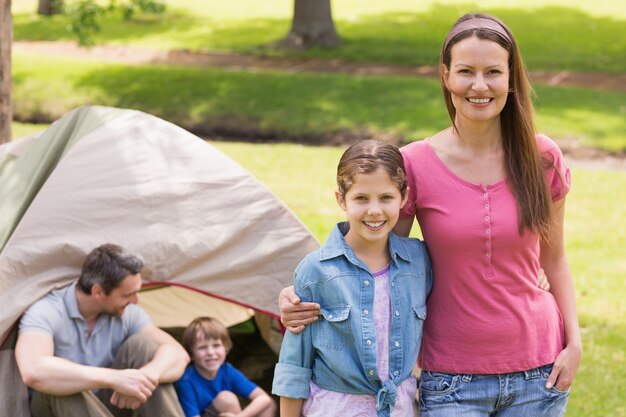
(126,293)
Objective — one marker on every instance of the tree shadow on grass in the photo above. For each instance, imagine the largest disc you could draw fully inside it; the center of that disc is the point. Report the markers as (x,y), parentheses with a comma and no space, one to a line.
(302,107)
(268,104)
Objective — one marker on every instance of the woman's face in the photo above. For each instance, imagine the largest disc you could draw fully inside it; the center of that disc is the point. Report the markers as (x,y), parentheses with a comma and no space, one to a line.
(478,80)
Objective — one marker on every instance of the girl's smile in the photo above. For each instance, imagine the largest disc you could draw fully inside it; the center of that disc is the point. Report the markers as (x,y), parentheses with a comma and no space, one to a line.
(372,205)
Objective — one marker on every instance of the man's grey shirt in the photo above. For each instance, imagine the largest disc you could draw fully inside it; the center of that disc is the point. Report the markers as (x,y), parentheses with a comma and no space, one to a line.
(57,315)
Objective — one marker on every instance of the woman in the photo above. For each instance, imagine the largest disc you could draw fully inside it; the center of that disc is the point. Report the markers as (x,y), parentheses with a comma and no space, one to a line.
(489,196)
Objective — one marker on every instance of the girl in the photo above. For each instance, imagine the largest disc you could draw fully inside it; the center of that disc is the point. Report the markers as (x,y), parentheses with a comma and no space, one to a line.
(372,286)
(489,195)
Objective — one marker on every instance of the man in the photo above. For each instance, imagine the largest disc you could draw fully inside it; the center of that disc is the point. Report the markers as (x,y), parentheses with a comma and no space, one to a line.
(89,345)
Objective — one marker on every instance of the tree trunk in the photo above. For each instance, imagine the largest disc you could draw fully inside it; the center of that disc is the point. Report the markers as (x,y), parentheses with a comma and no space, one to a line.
(6,37)
(49,7)
(312,25)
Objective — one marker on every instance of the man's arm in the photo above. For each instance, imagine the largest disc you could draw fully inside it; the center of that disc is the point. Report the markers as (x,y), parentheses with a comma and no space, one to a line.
(170,359)
(44,372)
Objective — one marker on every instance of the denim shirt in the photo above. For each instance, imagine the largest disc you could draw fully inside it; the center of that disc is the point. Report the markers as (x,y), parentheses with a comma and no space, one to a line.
(339,351)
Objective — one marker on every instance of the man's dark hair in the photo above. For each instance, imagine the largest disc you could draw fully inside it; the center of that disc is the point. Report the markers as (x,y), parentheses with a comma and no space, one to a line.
(108,265)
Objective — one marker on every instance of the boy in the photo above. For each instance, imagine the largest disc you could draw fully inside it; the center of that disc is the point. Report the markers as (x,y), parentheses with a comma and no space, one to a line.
(210,386)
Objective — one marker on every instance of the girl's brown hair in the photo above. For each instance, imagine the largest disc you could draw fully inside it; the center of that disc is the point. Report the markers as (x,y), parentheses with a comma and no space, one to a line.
(365,157)
(206,328)
(524,165)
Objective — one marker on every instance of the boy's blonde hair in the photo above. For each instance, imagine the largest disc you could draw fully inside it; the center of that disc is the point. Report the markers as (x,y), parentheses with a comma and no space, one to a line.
(207,328)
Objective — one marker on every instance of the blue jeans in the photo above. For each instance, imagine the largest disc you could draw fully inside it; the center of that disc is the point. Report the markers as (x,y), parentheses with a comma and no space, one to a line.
(519,394)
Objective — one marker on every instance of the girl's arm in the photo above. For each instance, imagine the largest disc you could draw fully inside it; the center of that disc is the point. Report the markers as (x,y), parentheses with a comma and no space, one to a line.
(290,407)
(554,262)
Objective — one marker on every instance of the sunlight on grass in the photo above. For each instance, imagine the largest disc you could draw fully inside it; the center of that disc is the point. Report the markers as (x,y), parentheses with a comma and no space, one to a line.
(26,129)
(346,9)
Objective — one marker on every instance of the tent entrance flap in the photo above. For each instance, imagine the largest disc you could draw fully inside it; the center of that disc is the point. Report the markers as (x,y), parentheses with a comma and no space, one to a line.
(174,306)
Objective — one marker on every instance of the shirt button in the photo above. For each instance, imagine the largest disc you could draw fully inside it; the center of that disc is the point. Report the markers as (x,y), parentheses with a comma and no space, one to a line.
(393,284)
(487,206)
(485,195)
(368,342)
(396,373)
(371,372)
(487,230)
(330,316)
(397,344)
(366,312)
(397,313)
(366,282)
(488,254)
(487,218)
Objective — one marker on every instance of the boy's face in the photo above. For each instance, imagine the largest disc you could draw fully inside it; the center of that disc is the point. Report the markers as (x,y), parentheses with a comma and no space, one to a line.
(208,355)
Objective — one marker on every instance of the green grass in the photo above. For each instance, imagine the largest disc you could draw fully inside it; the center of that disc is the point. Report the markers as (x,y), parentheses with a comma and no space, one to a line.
(19,130)
(595,238)
(291,104)
(553,35)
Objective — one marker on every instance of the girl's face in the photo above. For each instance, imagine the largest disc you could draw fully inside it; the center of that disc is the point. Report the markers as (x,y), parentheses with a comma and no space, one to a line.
(478,79)
(372,205)
(208,355)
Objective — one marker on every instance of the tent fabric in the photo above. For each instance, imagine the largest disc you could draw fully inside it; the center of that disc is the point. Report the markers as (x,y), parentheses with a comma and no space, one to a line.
(201,222)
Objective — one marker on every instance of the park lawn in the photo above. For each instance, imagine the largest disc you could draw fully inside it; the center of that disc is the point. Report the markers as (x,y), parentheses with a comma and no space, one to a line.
(553,35)
(286,105)
(19,130)
(595,239)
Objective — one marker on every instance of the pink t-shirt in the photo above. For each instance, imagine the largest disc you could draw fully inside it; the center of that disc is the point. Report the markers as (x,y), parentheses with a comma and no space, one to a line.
(486,313)
(323,403)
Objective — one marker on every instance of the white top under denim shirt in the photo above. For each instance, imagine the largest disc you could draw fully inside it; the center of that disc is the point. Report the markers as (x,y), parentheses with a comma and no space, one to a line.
(339,352)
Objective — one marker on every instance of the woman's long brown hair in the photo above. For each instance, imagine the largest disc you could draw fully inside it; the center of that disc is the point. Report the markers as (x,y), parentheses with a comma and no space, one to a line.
(524,165)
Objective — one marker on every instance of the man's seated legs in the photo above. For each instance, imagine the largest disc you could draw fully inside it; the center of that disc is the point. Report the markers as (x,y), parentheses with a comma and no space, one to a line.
(134,353)
(83,404)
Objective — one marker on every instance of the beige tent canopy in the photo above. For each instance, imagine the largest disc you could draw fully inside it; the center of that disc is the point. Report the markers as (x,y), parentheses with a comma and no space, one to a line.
(202,223)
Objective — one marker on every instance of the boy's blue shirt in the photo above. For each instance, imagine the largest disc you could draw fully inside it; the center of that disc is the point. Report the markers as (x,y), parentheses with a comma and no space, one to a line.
(339,351)
(196,393)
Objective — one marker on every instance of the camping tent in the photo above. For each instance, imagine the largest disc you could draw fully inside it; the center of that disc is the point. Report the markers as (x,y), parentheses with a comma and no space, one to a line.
(202,223)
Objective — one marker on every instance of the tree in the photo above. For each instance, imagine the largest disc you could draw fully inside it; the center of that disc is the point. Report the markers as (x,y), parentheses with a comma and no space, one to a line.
(6,38)
(312,25)
(50,7)
(85,15)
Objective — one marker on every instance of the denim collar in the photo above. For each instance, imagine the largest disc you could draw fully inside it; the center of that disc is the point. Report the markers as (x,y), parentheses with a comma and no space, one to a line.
(336,246)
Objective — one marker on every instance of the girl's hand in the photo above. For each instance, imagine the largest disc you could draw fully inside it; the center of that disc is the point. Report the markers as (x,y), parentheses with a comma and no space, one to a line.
(564,368)
(293,314)
(542,281)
